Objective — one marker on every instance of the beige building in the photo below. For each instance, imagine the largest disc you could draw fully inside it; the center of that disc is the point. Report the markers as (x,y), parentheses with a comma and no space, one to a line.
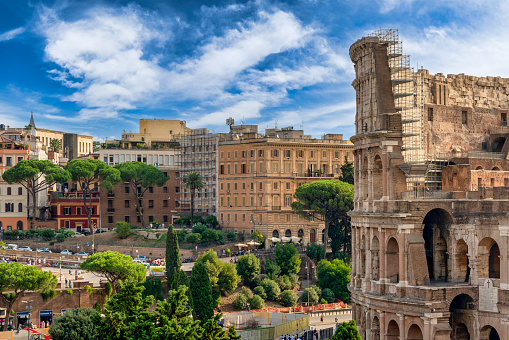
(430,237)
(155,133)
(258,175)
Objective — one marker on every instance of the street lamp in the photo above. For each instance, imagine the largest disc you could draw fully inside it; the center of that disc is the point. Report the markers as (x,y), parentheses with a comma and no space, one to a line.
(29,308)
(93,237)
(60,278)
(307,269)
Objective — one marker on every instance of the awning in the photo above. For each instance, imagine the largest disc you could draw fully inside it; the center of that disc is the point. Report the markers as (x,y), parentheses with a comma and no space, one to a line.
(275,239)
(46,313)
(286,239)
(295,239)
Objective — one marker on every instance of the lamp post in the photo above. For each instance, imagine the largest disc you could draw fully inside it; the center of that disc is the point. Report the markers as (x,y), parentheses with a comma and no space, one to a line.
(307,269)
(93,237)
(29,308)
(60,278)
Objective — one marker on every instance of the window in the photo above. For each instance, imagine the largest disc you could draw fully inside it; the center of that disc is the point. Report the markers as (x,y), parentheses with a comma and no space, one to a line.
(228,187)
(243,217)
(235,201)
(261,186)
(430,114)
(67,224)
(150,190)
(67,211)
(20,207)
(8,161)
(235,217)
(243,201)
(221,186)
(464,117)
(274,167)
(110,219)
(336,154)
(252,201)
(260,153)
(228,168)
(151,203)
(228,203)
(287,153)
(288,184)
(275,185)
(274,153)
(221,204)
(243,186)
(336,169)
(126,190)
(324,154)
(126,204)
(138,219)
(260,168)
(236,168)
(288,201)
(243,168)
(235,154)
(503,119)
(221,169)
(165,203)
(9,191)
(20,159)
(228,155)
(244,154)
(165,190)
(165,218)
(126,218)
(252,186)
(9,207)
(288,217)
(151,219)
(253,167)
(252,153)
(78,211)
(235,186)
(301,153)
(312,154)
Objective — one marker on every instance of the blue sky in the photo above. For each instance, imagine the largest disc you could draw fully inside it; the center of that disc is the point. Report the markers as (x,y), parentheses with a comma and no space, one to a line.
(96,67)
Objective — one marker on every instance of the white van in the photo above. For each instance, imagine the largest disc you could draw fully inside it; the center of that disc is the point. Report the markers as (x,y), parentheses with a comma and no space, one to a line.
(11,246)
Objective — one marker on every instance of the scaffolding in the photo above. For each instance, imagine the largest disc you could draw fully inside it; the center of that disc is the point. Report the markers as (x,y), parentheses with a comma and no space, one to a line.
(198,153)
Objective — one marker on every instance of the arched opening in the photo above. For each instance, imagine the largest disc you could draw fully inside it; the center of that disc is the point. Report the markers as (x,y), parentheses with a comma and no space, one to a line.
(375,328)
(461,264)
(495,168)
(19,225)
(489,257)
(312,236)
(375,258)
(392,260)
(498,144)
(363,256)
(460,310)
(489,333)
(479,168)
(288,233)
(392,331)
(275,233)
(364,174)
(414,333)
(300,233)
(377,178)
(323,235)
(435,233)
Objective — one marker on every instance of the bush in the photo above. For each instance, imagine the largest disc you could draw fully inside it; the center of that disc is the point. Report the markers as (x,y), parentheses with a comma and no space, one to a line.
(328,295)
(60,238)
(231,236)
(181,235)
(248,267)
(50,294)
(283,282)
(69,291)
(272,269)
(315,252)
(288,298)
(271,289)
(47,234)
(257,302)
(51,243)
(199,228)
(288,258)
(123,229)
(336,276)
(260,292)
(247,292)
(323,301)
(209,235)
(240,302)
(211,220)
(186,220)
(198,219)
(294,279)
(313,296)
(193,238)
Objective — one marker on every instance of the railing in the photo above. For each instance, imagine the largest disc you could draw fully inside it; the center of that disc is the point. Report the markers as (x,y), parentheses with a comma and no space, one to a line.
(276,207)
(110,210)
(111,195)
(415,195)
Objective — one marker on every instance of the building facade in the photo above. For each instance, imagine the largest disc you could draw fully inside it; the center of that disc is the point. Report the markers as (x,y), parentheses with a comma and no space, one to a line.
(154,133)
(69,211)
(429,226)
(258,175)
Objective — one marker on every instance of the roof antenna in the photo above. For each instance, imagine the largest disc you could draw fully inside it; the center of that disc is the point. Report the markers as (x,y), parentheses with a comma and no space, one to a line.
(275,123)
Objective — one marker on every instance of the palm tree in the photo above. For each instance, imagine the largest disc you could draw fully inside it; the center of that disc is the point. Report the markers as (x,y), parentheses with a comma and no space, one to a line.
(193,181)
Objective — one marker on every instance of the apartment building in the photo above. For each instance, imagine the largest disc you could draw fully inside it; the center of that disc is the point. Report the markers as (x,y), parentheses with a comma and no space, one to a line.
(153,133)
(69,211)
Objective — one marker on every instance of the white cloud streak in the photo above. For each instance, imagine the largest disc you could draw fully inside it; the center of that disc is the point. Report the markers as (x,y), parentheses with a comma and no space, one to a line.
(9,35)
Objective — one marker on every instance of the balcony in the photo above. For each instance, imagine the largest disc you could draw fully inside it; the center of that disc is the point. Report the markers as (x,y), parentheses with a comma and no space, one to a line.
(276,207)
(111,195)
(111,210)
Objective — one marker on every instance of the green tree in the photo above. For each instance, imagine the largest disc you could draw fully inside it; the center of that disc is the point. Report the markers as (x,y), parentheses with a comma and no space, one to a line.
(182,280)
(193,238)
(272,269)
(153,286)
(96,145)
(248,266)
(87,172)
(172,256)
(210,235)
(141,177)
(314,295)
(16,279)
(288,259)
(74,324)
(115,266)
(55,144)
(288,298)
(334,275)
(35,176)
(347,173)
(211,220)
(315,252)
(201,291)
(193,181)
(328,295)
(48,234)
(347,331)
(199,228)
(271,288)
(327,200)
(258,290)
(123,229)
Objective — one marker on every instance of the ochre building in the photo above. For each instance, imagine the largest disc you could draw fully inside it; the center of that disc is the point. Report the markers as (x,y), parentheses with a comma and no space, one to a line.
(430,231)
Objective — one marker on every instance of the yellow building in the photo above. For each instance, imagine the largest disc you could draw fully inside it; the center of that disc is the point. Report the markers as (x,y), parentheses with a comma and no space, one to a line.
(155,133)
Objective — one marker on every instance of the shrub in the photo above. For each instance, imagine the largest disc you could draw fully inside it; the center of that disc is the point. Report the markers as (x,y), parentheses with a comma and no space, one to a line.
(181,235)
(47,234)
(283,282)
(198,219)
(294,279)
(288,258)
(193,238)
(248,266)
(50,294)
(257,302)
(260,292)
(288,298)
(314,251)
(199,228)
(247,292)
(313,296)
(60,238)
(51,243)
(231,236)
(123,229)
(272,269)
(336,276)
(328,295)
(69,291)
(271,288)
(211,220)
(240,302)
(323,301)
(209,235)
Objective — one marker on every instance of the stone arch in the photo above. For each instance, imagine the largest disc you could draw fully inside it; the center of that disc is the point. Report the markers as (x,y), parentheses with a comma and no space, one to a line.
(495,168)
(392,260)
(19,225)
(461,262)
(489,259)
(275,233)
(489,333)
(414,332)
(375,328)
(498,144)
(300,233)
(435,233)
(479,168)
(459,317)
(288,233)
(377,178)
(375,258)
(363,256)
(392,330)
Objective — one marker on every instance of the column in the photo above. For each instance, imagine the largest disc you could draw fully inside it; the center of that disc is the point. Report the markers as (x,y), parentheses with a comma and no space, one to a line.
(402,326)
(383,326)
(402,260)
(382,256)
(426,332)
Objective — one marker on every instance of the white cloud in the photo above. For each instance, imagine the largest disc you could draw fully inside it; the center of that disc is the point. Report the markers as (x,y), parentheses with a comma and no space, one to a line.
(9,35)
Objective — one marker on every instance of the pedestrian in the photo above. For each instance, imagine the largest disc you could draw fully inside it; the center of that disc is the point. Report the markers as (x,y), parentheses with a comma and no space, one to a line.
(66,282)
(321,318)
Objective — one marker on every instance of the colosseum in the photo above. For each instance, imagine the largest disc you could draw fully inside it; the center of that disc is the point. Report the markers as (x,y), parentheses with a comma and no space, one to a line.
(430,225)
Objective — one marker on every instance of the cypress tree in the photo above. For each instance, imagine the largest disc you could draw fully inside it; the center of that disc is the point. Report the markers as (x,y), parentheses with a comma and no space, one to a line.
(182,280)
(201,290)
(172,256)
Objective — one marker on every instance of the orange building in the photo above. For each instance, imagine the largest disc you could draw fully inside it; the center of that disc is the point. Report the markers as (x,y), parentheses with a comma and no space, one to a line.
(69,211)
(13,197)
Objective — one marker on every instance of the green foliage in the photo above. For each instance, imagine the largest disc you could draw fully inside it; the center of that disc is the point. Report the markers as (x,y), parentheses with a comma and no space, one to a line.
(211,220)
(240,302)
(328,200)
(193,181)
(181,235)
(182,280)
(115,266)
(328,295)
(287,257)
(336,276)
(123,229)
(108,288)
(288,298)
(347,331)
(186,220)
(272,269)
(247,292)
(260,291)
(248,266)
(172,256)
(231,236)
(347,173)
(271,289)
(48,234)
(48,294)
(343,256)
(257,302)
(73,324)
(258,235)
(60,237)
(201,290)
(55,144)
(193,238)
(153,286)
(294,280)
(69,291)
(315,252)
(210,235)
(96,145)
(198,219)
(284,282)
(199,228)
(212,330)
(314,295)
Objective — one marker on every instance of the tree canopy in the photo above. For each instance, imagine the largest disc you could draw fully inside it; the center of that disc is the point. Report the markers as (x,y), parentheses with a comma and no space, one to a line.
(172,256)
(347,173)
(193,181)
(17,279)
(140,177)
(74,324)
(115,266)
(347,331)
(55,144)
(334,275)
(201,291)
(248,267)
(328,200)
(35,175)
(287,258)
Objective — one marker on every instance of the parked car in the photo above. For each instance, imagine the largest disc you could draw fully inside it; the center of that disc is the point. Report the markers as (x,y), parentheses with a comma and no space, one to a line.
(25,248)
(141,259)
(66,252)
(10,246)
(76,234)
(187,260)
(43,250)
(82,253)
(85,232)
